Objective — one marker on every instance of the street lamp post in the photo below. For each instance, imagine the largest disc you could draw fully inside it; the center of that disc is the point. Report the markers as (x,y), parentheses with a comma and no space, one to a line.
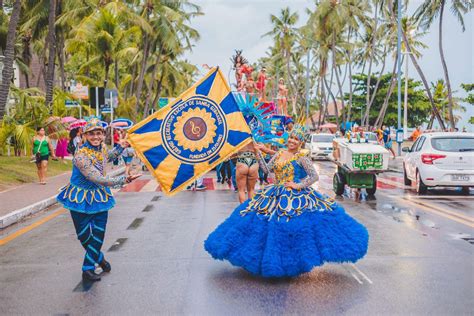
(405,103)
(399,66)
(307,86)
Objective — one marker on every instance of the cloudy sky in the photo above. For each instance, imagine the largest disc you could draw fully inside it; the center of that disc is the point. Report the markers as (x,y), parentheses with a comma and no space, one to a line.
(231,24)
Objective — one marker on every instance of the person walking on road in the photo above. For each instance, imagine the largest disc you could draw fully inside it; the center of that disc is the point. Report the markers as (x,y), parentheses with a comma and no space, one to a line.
(246,172)
(387,140)
(88,196)
(127,155)
(42,149)
(288,228)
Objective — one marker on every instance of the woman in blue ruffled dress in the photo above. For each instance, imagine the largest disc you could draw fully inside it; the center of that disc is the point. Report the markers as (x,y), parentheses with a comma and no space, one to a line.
(288,228)
(89,198)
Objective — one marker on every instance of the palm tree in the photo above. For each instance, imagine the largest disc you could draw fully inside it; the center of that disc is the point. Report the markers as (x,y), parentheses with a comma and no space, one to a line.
(285,34)
(170,37)
(426,13)
(413,35)
(51,40)
(9,53)
(107,34)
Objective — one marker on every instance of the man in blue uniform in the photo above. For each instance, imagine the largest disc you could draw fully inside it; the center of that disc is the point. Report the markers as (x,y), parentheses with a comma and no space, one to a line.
(88,196)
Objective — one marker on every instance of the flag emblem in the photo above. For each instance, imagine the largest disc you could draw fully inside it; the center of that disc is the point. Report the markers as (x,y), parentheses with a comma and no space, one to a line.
(197,131)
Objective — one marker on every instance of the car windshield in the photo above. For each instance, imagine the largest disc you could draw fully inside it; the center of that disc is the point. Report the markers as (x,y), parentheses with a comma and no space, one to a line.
(322,138)
(453,144)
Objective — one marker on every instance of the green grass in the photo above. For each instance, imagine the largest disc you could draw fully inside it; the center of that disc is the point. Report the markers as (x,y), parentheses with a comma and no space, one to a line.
(18,170)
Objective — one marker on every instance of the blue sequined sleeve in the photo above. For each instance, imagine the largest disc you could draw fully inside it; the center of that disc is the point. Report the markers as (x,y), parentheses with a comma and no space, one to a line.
(312,174)
(87,168)
(266,166)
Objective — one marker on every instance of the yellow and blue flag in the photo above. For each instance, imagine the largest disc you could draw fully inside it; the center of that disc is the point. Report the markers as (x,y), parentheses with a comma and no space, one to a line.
(198,130)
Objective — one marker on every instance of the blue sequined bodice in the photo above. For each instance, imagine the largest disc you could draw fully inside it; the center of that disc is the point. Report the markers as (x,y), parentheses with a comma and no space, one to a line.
(99,157)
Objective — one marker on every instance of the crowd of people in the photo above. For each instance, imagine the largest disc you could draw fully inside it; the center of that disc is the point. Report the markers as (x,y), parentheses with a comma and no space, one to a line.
(44,148)
(245,82)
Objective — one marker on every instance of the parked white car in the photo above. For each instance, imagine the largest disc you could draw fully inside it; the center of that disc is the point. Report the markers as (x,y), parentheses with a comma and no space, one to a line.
(440,159)
(320,145)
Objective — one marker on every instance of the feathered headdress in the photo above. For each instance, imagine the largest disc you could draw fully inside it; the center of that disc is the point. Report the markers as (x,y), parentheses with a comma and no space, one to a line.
(235,58)
(299,129)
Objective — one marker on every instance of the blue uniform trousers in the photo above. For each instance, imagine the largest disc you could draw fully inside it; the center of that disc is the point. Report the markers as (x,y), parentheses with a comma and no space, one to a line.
(90,230)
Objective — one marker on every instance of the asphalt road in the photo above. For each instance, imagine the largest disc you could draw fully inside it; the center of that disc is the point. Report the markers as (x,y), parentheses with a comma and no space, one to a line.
(420,259)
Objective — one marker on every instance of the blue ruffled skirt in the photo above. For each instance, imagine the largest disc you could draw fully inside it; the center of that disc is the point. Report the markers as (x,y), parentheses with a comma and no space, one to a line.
(87,200)
(283,233)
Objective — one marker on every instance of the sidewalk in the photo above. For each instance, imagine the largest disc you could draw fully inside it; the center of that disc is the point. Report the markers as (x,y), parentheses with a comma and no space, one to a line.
(19,202)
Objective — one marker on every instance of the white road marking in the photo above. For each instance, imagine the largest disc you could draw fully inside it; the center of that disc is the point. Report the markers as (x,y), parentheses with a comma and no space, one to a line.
(353,275)
(362,273)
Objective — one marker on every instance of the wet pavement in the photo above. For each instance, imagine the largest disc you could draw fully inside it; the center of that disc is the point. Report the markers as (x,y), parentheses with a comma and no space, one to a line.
(420,259)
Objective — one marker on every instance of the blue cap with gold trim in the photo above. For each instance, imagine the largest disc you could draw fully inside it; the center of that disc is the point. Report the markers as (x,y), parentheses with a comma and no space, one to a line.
(93,124)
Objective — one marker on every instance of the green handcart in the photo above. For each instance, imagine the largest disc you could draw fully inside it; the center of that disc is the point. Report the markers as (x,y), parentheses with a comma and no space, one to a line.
(358,165)
(356,179)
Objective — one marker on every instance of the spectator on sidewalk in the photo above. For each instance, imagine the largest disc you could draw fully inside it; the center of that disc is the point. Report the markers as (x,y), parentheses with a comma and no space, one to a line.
(127,155)
(75,140)
(387,140)
(42,149)
(416,133)
(89,198)
(116,145)
(61,148)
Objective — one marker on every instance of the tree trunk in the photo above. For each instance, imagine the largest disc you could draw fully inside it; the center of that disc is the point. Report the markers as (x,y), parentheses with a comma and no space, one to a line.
(150,89)
(41,70)
(369,76)
(116,73)
(322,98)
(383,109)
(339,85)
(7,73)
(106,76)
(158,89)
(366,117)
(336,111)
(141,77)
(51,39)
(351,92)
(27,80)
(87,61)
(61,58)
(445,67)
(425,83)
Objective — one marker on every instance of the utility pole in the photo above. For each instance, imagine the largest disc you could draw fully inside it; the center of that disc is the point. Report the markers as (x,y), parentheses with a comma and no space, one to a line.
(399,67)
(307,87)
(405,103)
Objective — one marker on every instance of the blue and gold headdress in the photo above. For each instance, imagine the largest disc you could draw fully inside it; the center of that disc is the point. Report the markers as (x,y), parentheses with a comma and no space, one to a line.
(93,124)
(299,132)
(299,129)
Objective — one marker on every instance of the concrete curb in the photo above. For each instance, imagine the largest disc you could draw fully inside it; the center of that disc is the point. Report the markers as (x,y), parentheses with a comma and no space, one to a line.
(17,215)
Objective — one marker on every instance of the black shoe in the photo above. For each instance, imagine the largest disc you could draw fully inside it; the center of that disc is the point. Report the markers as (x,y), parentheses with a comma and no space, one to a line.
(105,265)
(89,275)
